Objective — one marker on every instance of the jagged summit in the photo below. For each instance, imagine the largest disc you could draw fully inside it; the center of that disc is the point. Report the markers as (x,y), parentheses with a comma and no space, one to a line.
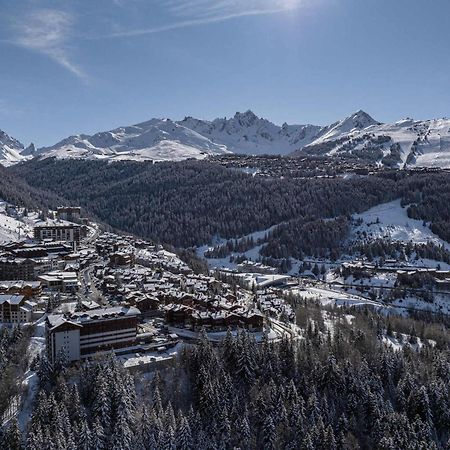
(5,139)
(358,136)
(29,151)
(10,149)
(361,119)
(247,118)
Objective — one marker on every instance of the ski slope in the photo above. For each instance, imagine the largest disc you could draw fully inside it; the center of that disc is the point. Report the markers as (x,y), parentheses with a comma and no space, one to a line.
(391,221)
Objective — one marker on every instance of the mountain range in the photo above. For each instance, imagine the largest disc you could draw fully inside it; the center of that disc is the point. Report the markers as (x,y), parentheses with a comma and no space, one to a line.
(359,137)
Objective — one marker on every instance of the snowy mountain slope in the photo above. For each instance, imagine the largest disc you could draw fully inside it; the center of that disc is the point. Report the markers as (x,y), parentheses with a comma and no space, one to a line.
(360,120)
(10,150)
(406,143)
(248,134)
(13,228)
(391,221)
(358,137)
(157,139)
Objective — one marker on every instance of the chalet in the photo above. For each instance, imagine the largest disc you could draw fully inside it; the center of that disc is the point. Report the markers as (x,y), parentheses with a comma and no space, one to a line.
(178,314)
(18,287)
(121,259)
(147,303)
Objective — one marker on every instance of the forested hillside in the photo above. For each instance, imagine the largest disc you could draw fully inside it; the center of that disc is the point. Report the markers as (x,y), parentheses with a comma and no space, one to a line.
(188,203)
(16,191)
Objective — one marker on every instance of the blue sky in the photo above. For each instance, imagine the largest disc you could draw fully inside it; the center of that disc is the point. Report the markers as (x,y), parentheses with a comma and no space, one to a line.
(74,66)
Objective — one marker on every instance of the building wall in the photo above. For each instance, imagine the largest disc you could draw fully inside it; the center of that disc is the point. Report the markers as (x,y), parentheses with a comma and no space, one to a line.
(68,342)
(94,336)
(71,234)
(13,314)
(14,270)
(105,334)
(69,213)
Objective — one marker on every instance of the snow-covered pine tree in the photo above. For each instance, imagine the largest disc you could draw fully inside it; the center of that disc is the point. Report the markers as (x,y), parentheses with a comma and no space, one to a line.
(12,439)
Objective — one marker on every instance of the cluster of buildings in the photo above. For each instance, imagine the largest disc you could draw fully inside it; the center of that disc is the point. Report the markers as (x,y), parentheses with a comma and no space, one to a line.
(402,275)
(141,283)
(110,288)
(160,284)
(272,304)
(29,269)
(16,309)
(306,166)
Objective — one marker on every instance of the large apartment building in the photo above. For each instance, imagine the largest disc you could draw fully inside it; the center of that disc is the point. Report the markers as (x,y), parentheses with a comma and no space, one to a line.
(12,268)
(15,309)
(60,281)
(71,213)
(83,334)
(57,230)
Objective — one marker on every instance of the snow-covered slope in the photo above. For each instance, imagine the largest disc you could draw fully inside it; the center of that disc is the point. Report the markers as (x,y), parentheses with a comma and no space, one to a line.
(390,221)
(405,143)
(13,226)
(10,150)
(249,134)
(157,139)
(360,120)
(358,137)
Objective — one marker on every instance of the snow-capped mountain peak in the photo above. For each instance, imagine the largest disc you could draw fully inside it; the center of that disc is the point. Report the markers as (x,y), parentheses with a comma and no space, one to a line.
(5,139)
(246,119)
(10,149)
(359,136)
(354,122)
(29,151)
(155,139)
(360,119)
(249,134)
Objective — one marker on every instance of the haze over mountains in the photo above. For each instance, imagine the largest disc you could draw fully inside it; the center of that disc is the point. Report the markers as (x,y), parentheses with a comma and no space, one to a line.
(358,137)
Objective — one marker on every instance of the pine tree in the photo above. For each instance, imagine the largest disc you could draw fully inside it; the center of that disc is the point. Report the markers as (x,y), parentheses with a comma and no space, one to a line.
(245,362)
(167,440)
(99,440)
(329,441)
(84,439)
(184,436)
(35,439)
(307,443)
(13,436)
(245,430)
(269,434)
(74,406)
(122,437)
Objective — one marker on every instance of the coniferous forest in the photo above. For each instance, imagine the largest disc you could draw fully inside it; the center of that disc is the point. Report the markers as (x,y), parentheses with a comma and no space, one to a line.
(333,389)
(189,203)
